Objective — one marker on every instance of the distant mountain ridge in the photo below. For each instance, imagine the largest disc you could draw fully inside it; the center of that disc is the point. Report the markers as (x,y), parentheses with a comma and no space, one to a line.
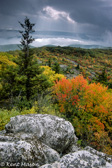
(9,39)
(9,47)
(12,47)
(87,46)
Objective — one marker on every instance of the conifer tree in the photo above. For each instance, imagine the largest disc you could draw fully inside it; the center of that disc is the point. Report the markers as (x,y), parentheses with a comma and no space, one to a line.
(31,77)
(103,76)
(56,67)
(26,57)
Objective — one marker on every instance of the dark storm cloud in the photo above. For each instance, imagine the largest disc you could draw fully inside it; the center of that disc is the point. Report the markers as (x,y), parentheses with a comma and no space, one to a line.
(14,7)
(95,15)
(95,12)
(13,10)
(82,16)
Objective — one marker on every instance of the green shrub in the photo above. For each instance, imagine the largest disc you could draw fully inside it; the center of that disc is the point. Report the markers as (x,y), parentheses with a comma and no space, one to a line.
(5,115)
(46,106)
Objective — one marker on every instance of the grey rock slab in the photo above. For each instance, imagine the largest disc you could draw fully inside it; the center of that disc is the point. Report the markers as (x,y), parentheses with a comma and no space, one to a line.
(80,159)
(28,152)
(53,131)
(106,157)
(64,67)
(54,165)
(83,159)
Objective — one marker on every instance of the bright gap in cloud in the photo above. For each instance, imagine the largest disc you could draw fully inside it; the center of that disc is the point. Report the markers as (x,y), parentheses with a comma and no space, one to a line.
(56,41)
(55,14)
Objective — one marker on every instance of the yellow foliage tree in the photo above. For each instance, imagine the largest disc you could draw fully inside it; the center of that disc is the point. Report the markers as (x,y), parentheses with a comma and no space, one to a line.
(51,75)
(6,59)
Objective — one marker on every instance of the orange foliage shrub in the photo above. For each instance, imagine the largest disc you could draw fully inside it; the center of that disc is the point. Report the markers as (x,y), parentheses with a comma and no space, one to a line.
(89,108)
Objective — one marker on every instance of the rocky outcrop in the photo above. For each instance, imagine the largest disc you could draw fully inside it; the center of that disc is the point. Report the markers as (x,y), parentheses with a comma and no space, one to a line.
(50,130)
(80,159)
(35,139)
(45,141)
(24,149)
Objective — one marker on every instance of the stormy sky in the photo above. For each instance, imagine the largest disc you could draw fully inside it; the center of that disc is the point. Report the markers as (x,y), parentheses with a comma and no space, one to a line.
(90,17)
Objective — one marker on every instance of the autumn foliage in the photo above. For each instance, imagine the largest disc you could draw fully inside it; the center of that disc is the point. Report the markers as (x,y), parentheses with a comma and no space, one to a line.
(51,75)
(89,108)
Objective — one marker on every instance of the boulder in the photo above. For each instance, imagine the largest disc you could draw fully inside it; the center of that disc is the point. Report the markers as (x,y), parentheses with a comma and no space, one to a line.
(80,159)
(83,159)
(108,158)
(64,67)
(53,131)
(54,165)
(26,151)
(34,140)
(46,141)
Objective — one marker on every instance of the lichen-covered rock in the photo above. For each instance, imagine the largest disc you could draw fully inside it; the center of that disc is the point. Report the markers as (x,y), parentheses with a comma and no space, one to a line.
(108,158)
(74,147)
(55,132)
(80,159)
(25,151)
(83,159)
(54,165)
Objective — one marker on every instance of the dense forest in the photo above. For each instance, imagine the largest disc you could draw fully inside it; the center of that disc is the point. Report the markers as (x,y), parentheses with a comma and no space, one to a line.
(69,82)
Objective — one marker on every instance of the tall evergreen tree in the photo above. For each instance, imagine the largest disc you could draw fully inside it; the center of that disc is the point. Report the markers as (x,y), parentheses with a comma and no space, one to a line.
(23,80)
(26,58)
(32,80)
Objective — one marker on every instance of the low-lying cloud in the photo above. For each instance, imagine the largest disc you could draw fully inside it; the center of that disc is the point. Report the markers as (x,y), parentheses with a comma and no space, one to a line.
(43,38)
(69,41)
(56,41)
